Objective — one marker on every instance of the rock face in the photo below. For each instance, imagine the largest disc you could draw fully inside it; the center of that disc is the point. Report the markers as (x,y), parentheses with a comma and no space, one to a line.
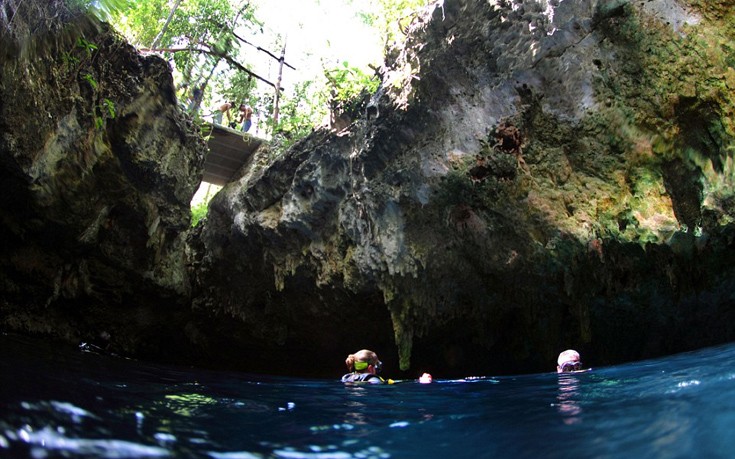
(531,176)
(98,166)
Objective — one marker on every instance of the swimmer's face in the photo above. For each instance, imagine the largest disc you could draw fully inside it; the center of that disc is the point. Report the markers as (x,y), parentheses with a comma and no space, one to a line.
(572,365)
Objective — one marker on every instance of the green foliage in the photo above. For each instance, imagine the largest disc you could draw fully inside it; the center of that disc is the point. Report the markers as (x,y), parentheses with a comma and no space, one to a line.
(345,91)
(203,20)
(110,107)
(199,39)
(237,87)
(347,85)
(456,189)
(391,17)
(87,46)
(105,10)
(69,60)
(102,112)
(301,112)
(90,79)
(206,26)
(198,212)
(82,53)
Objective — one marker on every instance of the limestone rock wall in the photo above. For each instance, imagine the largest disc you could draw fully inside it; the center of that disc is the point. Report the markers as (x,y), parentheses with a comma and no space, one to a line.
(97,168)
(531,176)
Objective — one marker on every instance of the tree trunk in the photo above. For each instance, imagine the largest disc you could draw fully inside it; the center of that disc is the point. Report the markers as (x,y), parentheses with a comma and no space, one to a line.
(165,26)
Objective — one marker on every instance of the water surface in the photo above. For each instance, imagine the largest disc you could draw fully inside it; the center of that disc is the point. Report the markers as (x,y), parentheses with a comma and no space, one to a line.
(58,402)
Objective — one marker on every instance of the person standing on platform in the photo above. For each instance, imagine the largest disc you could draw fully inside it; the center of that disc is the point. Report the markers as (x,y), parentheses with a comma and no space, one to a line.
(223,109)
(246,115)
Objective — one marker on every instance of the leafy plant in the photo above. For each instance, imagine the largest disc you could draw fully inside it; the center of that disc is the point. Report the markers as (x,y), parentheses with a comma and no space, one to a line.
(204,39)
(70,61)
(391,17)
(300,113)
(102,112)
(237,87)
(105,10)
(87,46)
(110,106)
(90,79)
(346,86)
(198,212)
(197,33)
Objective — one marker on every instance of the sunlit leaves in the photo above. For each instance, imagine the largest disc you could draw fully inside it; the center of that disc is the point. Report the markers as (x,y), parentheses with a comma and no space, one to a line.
(103,9)
(347,82)
(239,87)
(391,16)
(193,21)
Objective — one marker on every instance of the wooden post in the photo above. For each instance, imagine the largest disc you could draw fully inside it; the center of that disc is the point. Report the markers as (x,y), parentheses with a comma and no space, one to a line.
(278,86)
(206,195)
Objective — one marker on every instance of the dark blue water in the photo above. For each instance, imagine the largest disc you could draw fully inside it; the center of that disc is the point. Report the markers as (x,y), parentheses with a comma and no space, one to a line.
(66,403)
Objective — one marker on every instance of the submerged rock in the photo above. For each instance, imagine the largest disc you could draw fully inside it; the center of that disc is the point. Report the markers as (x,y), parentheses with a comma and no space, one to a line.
(531,176)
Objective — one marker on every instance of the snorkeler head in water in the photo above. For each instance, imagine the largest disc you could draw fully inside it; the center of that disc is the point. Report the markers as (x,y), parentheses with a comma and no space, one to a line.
(364,366)
(568,361)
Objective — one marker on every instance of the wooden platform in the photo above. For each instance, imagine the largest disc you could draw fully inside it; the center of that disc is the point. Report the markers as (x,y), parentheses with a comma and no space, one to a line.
(228,151)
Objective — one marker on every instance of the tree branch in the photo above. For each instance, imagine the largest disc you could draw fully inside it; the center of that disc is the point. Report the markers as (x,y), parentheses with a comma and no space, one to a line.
(222,55)
(263,50)
(165,26)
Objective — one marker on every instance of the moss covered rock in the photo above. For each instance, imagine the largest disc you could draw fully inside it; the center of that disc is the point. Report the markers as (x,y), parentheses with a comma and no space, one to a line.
(540,175)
